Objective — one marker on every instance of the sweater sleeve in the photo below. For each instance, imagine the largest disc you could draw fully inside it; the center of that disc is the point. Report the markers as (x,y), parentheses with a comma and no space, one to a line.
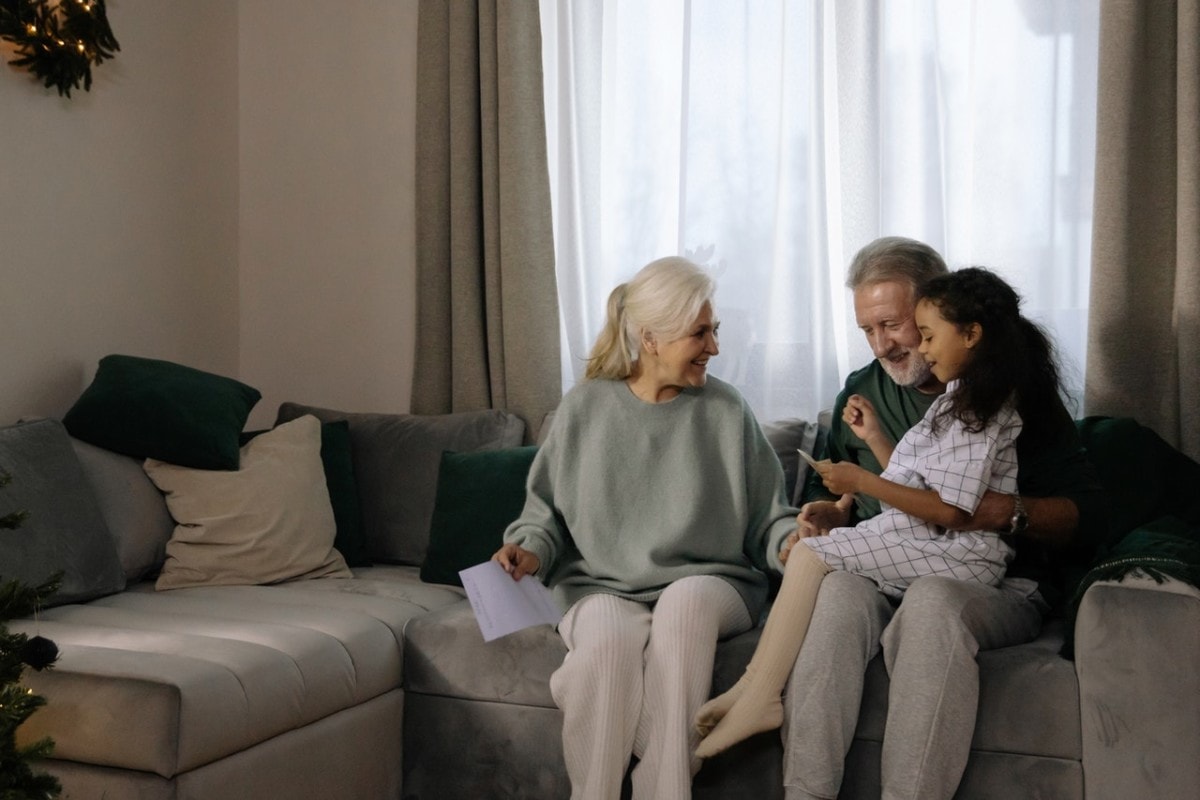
(538,529)
(771,517)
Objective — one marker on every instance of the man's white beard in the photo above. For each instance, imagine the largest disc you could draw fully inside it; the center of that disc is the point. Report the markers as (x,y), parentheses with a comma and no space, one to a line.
(915,372)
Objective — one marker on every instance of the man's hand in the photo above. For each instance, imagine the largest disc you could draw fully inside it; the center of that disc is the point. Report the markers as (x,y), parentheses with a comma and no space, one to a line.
(817,518)
(517,561)
(1052,520)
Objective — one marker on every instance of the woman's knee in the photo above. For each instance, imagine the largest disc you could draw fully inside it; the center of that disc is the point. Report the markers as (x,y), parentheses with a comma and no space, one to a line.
(700,604)
(608,625)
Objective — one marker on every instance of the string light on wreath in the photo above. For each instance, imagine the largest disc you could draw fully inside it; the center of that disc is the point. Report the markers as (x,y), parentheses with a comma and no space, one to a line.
(58,40)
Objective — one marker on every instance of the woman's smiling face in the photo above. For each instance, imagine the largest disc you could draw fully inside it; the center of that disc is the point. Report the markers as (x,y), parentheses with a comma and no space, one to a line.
(683,362)
(947,347)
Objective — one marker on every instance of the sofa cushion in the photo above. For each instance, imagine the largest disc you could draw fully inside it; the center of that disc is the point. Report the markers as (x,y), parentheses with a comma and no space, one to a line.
(444,654)
(147,408)
(786,437)
(1025,691)
(65,529)
(132,505)
(337,460)
(168,681)
(266,522)
(1025,694)
(396,459)
(478,495)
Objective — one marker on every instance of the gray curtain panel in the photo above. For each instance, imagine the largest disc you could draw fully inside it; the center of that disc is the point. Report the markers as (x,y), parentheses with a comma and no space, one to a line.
(1144,319)
(487,305)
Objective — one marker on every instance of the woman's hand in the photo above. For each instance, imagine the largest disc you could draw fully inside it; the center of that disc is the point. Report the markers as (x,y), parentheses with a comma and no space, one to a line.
(517,561)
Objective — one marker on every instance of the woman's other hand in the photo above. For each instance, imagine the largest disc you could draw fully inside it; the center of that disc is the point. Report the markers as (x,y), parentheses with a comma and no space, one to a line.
(517,561)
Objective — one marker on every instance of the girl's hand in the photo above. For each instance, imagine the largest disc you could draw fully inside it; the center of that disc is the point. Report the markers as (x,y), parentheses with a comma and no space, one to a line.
(860,415)
(843,477)
(517,561)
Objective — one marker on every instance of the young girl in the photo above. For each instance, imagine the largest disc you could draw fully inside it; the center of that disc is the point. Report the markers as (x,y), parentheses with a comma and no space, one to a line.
(995,363)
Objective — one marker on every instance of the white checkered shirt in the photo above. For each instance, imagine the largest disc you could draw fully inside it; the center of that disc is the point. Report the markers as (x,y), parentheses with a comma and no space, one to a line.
(893,548)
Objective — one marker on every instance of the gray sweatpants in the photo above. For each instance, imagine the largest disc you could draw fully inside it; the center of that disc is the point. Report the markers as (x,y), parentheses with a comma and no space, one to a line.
(929,646)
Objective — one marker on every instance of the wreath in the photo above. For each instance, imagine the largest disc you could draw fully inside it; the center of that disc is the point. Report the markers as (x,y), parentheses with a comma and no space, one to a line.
(58,40)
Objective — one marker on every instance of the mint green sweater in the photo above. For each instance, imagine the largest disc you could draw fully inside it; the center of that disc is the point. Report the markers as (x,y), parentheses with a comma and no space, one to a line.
(625,497)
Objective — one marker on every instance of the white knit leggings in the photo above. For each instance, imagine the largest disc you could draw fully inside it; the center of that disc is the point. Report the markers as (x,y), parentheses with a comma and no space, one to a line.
(634,676)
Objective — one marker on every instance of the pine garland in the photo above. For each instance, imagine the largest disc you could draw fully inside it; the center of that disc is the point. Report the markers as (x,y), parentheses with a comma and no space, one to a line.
(18,779)
(58,40)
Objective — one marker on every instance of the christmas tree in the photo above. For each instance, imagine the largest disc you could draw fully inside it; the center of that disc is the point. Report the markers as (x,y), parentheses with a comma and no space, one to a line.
(18,781)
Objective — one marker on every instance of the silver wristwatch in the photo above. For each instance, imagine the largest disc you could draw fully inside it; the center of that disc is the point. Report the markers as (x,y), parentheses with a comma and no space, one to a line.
(1020,520)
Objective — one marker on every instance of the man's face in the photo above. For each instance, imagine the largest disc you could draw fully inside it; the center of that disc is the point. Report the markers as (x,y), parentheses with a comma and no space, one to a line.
(885,313)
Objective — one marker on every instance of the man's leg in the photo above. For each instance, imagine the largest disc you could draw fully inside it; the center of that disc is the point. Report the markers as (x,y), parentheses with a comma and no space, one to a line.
(930,649)
(825,689)
(689,618)
(599,688)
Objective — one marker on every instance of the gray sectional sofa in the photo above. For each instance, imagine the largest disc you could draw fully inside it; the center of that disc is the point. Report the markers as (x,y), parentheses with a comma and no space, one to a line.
(380,686)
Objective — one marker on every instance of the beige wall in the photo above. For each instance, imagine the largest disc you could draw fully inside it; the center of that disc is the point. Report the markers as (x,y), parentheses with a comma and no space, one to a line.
(327,99)
(235,193)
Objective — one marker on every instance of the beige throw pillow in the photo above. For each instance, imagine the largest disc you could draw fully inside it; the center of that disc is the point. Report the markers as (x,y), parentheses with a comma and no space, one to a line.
(269,521)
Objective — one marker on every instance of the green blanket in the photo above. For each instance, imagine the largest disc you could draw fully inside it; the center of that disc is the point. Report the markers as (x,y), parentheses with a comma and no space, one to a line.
(1154,490)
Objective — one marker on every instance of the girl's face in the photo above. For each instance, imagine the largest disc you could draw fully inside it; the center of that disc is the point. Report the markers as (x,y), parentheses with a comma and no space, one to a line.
(947,347)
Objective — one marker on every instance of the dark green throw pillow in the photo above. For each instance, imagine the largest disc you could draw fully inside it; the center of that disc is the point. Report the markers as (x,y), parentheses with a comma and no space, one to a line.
(478,495)
(351,537)
(146,408)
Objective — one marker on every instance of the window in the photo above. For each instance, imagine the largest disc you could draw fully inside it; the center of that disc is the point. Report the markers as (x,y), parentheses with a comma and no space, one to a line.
(772,139)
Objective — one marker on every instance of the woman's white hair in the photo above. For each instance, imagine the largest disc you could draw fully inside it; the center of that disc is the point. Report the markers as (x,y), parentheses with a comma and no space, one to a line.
(662,301)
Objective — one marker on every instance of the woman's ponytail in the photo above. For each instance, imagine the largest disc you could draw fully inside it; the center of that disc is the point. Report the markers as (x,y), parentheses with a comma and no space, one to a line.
(611,358)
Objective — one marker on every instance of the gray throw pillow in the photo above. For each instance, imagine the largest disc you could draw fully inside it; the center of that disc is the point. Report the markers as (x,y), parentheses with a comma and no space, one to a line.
(396,459)
(786,437)
(65,529)
(133,508)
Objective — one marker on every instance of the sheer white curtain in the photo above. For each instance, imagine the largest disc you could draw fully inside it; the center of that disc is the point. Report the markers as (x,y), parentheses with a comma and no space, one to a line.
(771,139)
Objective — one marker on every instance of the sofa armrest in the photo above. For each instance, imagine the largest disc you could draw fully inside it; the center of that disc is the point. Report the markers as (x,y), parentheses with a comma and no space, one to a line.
(1137,653)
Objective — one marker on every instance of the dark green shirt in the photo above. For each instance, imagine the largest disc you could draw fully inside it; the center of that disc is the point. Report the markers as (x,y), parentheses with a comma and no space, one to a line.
(1052,466)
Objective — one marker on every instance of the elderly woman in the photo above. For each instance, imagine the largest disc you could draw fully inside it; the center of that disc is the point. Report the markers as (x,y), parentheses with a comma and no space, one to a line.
(649,512)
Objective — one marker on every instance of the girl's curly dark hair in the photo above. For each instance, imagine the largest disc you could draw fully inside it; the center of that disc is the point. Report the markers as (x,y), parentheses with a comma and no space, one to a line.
(1015,357)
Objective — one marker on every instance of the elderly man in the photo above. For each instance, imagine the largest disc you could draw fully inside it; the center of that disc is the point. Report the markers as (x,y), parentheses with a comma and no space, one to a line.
(929,642)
